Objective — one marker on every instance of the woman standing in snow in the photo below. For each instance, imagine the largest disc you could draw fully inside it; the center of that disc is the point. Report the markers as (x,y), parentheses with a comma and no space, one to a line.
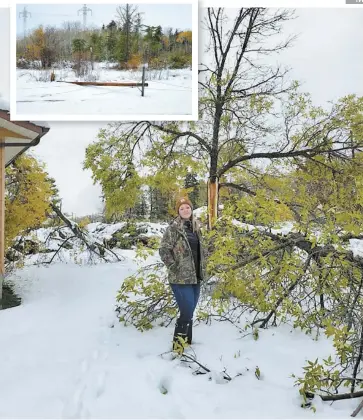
(182,252)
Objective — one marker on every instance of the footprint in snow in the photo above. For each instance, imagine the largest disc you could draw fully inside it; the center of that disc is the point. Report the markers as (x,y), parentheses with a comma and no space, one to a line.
(142,355)
(165,385)
(84,365)
(100,384)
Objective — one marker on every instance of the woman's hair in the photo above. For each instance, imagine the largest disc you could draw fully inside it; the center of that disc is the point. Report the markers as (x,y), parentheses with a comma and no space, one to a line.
(195,224)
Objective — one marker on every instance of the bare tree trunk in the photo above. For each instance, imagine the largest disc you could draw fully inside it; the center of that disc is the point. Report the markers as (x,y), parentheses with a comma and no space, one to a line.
(92,59)
(79,65)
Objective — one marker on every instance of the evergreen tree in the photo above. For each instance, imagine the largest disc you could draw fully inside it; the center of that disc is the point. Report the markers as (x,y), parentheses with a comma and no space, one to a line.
(127,16)
(141,208)
(111,41)
(158,205)
(79,48)
(192,182)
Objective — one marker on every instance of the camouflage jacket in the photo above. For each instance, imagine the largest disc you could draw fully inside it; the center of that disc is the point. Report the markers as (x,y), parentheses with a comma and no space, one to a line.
(176,254)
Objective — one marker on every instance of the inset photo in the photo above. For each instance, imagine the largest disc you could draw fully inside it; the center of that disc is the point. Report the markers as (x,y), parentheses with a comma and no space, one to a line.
(106,62)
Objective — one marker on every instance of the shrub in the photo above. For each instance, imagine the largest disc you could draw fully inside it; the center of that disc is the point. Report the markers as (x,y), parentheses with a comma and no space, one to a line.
(178,61)
(135,61)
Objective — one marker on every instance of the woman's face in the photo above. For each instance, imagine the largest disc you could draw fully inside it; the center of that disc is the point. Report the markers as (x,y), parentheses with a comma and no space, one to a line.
(185,211)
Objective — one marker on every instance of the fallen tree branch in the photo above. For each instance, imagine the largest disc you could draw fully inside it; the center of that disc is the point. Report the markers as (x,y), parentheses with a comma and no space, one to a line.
(357,410)
(62,245)
(300,241)
(338,397)
(93,246)
(286,294)
(194,360)
(253,258)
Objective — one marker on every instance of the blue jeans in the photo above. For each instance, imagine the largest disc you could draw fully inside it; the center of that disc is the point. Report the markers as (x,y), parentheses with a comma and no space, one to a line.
(186,296)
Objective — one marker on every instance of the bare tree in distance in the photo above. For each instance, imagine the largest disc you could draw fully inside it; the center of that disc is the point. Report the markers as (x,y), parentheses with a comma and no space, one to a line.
(127,17)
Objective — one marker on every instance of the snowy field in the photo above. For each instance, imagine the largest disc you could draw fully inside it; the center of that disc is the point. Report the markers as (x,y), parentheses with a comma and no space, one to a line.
(65,355)
(169,92)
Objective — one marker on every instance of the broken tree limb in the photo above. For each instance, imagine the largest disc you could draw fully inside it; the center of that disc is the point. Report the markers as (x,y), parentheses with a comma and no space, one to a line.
(58,250)
(188,358)
(338,397)
(212,201)
(346,396)
(93,246)
(286,294)
(357,410)
(129,84)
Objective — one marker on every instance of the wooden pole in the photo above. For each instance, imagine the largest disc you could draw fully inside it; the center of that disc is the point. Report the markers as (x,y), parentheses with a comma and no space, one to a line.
(2,217)
(91,49)
(106,83)
(143,80)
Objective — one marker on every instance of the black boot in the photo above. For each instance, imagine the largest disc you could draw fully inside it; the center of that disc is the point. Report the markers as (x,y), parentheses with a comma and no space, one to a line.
(180,332)
(190,332)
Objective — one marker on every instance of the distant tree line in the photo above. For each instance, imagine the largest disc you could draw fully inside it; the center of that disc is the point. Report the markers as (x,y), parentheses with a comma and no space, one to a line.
(125,40)
(155,205)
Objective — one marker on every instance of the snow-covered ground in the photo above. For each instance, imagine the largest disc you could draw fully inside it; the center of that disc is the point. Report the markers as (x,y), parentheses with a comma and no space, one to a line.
(169,92)
(105,231)
(65,355)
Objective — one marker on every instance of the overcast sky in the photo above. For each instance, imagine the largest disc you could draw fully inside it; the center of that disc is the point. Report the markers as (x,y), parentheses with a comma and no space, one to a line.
(327,57)
(166,15)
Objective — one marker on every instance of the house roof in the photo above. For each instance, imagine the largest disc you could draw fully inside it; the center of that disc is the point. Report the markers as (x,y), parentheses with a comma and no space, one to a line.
(18,135)
(5,106)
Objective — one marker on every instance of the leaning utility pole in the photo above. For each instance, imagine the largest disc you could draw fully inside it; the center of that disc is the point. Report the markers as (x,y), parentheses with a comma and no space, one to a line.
(25,15)
(84,10)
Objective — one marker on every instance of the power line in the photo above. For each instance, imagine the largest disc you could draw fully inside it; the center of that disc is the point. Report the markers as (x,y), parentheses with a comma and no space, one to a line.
(25,14)
(174,90)
(51,14)
(85,10)
(170,84)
